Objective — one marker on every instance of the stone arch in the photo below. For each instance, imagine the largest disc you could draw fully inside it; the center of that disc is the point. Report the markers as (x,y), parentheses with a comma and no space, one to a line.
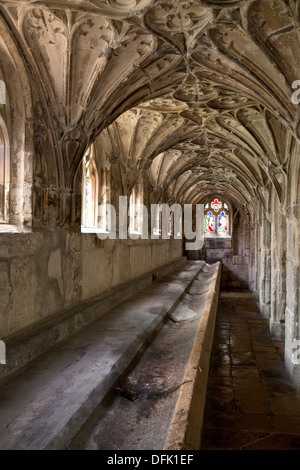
(19,132)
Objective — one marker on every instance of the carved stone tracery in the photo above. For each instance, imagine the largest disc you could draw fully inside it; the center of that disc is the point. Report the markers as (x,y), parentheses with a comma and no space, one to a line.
(208,82)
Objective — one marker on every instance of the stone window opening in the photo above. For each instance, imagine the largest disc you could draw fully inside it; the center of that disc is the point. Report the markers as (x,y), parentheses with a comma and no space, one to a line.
(172,225)
(89,190)
(136,210)
(2,93)
(156,220)
(166,222)
(4,157)
(106,214)
(16,149)
(4,174)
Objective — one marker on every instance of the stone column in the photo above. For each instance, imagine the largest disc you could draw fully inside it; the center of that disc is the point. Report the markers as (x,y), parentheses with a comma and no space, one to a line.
(278,273)
(265,267)
(292,336)
(17,174)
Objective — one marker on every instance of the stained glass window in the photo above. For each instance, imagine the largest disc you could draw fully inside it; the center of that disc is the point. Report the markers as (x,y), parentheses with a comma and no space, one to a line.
(216,219)
(223,223)
(216,205)
(209,222)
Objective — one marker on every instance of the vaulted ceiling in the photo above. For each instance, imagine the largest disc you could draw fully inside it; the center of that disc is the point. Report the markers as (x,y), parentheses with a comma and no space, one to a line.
(195,94)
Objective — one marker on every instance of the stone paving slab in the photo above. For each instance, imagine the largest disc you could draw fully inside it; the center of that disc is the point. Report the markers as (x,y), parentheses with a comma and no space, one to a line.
(47,405)
(251,402)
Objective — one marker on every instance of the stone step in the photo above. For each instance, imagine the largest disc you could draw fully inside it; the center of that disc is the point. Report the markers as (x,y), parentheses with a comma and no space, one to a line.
(47,405)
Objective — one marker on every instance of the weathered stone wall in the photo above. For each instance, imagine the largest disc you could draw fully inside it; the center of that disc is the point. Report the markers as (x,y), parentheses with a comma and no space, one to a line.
(292,288)
(43,273)
(234,252)
(117,73)
(277,262)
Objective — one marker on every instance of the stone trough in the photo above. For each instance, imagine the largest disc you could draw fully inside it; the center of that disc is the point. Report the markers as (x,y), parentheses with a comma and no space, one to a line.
(49,405)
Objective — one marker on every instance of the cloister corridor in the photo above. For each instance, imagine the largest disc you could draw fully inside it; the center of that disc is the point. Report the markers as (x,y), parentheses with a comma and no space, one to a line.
(149,225)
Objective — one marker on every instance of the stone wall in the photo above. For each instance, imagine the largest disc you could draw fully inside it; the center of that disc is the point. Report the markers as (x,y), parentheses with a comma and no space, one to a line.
(234,252)
(235,269)
(44,273)
(183,136)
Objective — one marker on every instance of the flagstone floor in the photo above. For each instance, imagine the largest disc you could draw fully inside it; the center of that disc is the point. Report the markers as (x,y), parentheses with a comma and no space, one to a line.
(251,403)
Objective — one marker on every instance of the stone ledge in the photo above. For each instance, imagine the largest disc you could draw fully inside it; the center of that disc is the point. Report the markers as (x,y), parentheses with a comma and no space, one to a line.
(34,341)
(186,428)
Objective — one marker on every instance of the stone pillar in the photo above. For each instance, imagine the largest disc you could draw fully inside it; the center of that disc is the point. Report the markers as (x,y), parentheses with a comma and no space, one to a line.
(253,237)
(292,311)
(278,273)
(265,267)
(17,174)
